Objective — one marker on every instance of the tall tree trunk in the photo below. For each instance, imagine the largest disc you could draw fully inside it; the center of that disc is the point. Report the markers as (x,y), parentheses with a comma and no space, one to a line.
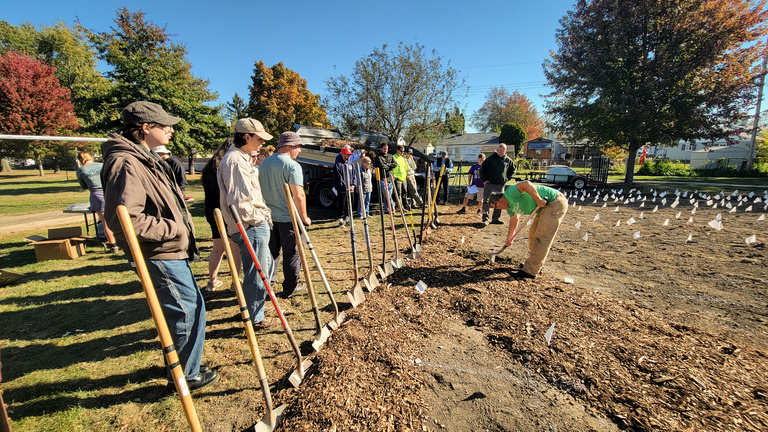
(191,162)
(634,146)
(5,165)
(40,167)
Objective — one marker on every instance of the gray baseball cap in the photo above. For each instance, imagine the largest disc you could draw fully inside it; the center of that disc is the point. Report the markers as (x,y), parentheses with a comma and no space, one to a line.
(142,112)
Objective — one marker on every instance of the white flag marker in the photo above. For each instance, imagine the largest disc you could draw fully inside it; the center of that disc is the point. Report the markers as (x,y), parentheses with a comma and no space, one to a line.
(748,209)
(719,217)
(690,220)
(636,235)
(751,239)
(578,225)
(597,217)
(586,236)
(677,216)
(421,287)
(548,334)
(733,210)
(642,216)
(618,223)
(716,224)
(666,223)
(761,218)
(616,209)
(631,221)
(656,208)
(690,238)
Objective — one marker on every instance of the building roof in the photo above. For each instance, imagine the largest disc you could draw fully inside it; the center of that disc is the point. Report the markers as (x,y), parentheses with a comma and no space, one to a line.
(470,139)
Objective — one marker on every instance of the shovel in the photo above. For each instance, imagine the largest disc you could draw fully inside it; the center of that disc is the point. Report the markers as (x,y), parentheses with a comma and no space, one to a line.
(369,281)
(355,294)
(301,365)
(273,416)
(413,254)
(321,332)
(398,262)
(427,198)
(171,356)
(518,231)
(433,206)
(338,317)
(385,268)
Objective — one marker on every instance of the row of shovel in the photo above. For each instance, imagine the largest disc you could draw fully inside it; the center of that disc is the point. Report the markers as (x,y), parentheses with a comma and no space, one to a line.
(274,415)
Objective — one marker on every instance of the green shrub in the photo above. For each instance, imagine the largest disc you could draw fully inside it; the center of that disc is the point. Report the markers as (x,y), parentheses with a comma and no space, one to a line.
(664,167)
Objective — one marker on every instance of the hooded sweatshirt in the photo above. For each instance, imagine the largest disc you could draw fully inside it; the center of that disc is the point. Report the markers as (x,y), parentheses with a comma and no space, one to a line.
(134,177)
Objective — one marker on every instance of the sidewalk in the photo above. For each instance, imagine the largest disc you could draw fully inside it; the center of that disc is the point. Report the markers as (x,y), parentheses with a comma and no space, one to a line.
(38,223)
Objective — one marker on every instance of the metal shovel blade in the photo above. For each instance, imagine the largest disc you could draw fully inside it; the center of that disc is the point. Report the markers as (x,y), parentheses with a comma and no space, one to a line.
(297,376)
(335,323)
(398,263)
(268,423)
(382,271)
(321,338)
(388,268)
(418,248)
(356,296)
(370,282)
(493,254)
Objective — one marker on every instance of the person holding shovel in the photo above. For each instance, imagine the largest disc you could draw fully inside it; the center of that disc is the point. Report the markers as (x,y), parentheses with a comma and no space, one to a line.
(525,198)
(239,187)
(135,177)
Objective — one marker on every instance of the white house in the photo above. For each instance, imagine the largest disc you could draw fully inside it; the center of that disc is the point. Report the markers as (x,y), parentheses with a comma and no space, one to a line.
(466,147)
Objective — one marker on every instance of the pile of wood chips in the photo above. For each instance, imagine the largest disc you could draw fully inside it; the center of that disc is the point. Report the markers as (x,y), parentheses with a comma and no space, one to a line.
(640,370)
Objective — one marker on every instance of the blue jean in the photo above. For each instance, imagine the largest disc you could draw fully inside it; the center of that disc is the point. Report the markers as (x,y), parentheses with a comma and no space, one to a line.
(386,202)
(253,288)
(183,308)
(366,202)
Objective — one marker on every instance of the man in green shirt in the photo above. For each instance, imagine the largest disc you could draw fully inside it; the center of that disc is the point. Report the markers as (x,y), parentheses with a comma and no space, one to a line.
(525,198)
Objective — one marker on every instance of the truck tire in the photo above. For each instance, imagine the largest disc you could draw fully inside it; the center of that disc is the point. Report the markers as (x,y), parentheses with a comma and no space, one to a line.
(579,183)
(324,195)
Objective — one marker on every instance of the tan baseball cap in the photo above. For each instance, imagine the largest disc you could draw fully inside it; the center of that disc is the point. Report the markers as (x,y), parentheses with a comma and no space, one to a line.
(252,126)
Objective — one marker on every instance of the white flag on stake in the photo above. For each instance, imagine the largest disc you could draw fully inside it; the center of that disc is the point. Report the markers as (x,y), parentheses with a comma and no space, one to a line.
(690,238)
(751,239)
(636,235)
(642,216)
(716,224)
(748,209)
(616,209)
(597,217)
(761,218)
(656,208)
(618,223)
(690,220)
(578,225)
(733,210)
(666,223)
(631,221)
(677,216)
(548,334)
(586,236)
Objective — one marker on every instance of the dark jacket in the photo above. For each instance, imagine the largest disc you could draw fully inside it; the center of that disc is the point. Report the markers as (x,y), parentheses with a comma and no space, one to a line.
(180,176)
(134,177)
(497,170)
(386,163)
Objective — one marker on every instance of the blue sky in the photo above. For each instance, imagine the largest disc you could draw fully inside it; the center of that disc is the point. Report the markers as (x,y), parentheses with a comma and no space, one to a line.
(492,43)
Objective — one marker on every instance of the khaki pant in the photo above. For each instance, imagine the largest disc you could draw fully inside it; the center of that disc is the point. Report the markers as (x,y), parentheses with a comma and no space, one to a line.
(542,233)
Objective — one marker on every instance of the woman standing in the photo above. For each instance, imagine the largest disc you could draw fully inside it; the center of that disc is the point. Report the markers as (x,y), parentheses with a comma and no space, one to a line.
(212,197)
(89,176)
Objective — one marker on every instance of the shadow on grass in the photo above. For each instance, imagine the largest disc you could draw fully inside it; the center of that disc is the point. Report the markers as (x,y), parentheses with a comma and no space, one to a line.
(86,292)
(19,361)
(53,321)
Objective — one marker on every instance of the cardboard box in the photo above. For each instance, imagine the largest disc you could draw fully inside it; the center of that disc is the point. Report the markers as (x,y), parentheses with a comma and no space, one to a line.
(61,243)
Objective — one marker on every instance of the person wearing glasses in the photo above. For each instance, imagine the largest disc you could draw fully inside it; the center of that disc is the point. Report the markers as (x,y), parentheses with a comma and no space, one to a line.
(137,178)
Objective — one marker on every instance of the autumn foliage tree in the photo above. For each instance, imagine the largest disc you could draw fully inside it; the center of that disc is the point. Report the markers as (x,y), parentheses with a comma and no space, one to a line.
(33,102)
(631,72)
(280,99)
(502,107)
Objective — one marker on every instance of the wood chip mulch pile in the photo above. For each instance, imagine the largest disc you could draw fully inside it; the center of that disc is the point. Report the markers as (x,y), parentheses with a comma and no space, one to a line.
(640,370)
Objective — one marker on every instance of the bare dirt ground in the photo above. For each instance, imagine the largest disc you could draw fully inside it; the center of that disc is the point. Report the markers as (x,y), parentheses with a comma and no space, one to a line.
(656,332)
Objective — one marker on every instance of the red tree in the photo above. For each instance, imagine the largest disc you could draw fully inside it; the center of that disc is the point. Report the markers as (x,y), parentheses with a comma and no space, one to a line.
(32,102)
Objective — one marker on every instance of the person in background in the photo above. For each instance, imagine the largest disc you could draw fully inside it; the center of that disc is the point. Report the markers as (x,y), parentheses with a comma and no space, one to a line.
(89,177)
(475,189)
(436,166)
(525,198)
(341,172)
(367,185)
(495,172)
(385,163)
(279,169)
(178,170)
(210,183)
(239,187)
(401,173)
(414,199)
(137,178)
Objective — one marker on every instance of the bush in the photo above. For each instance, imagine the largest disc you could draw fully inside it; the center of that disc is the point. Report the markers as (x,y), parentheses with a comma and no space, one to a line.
(664,167)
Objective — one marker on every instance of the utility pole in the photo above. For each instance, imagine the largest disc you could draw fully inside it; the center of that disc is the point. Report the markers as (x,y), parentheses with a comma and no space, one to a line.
(757,114)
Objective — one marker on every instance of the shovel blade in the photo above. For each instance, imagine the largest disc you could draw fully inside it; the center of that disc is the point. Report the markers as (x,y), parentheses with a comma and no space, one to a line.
(398,263)
(270,421)
(298,375)
(382,271)
(356,295)
(388,268)
(417,247)
(335,323)
(321,338)
(370,282)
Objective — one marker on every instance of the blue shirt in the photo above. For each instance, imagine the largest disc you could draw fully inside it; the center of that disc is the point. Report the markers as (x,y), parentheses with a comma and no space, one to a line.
(274,172)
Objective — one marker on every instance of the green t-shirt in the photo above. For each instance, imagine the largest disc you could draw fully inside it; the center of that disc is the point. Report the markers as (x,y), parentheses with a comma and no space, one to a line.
(274,172)
(522,203)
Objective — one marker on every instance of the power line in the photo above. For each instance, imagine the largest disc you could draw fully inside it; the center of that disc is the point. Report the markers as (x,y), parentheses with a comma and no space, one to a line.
(501,65)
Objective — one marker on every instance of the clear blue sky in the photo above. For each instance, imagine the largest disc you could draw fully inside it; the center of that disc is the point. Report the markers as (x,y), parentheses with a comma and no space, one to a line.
(492,43)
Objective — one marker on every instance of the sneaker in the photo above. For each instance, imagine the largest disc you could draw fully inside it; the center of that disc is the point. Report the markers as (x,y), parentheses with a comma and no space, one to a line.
(520,274)
(462,211)
(299,288)
(202,379)
(213,285)
(341,222)
(497,222)
(486,222)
